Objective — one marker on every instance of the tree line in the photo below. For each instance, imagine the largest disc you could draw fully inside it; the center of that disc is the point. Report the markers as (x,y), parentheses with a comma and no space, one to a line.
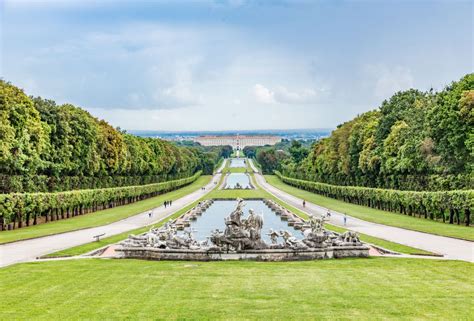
(46,147)
(414,141)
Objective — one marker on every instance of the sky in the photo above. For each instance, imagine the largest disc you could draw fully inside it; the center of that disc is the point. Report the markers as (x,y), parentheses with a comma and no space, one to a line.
(236,64)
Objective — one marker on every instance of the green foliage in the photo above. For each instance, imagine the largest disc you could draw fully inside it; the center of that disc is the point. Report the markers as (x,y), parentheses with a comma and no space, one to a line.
(45,147)
(415,141)
(451,206)
(17,209)
(297,151)
(250,151)
(270,159)
(22,135)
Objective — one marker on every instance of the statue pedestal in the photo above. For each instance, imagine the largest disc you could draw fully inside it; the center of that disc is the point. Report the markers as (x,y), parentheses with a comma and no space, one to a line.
(149,253)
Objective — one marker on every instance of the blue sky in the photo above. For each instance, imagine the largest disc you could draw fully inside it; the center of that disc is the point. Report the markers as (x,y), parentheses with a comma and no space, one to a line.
(213,65)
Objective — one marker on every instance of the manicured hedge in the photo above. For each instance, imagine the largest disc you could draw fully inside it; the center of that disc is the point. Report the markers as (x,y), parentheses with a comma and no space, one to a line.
(51,184)
(18,209)
(449,206)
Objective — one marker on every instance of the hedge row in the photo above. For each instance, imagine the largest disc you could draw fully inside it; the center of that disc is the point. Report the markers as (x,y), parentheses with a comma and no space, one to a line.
(449,206)
(18,209)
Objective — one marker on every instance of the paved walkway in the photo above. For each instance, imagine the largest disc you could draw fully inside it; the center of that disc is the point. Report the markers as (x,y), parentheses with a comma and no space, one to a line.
(28,250)
(449,247)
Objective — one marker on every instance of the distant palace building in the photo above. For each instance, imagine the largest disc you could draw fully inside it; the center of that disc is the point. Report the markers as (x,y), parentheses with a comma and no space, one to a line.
(238,142)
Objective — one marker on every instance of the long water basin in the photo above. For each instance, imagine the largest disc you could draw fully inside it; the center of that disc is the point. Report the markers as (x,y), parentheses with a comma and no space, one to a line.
(213,218)
(241,178)
(237,162)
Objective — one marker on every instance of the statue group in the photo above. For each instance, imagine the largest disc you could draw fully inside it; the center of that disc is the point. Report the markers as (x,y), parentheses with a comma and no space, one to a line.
(243,233)
(240,234)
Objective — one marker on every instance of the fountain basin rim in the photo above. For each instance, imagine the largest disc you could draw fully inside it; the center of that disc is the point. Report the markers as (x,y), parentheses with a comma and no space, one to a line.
(328,252)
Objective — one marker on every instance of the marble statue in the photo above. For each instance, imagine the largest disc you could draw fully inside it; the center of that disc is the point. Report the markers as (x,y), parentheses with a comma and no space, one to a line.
(241,233)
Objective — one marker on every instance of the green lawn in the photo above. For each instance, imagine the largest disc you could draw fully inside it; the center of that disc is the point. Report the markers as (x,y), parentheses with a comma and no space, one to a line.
(237,170)
(100,217)
(377,216)
(242,193)
(349,289)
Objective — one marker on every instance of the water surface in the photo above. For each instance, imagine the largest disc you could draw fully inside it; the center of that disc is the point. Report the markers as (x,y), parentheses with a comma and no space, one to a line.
(213,218)
(241,178)
(237,162)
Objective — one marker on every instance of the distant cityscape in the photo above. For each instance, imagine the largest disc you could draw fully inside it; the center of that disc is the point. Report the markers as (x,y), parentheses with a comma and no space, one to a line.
(298,134)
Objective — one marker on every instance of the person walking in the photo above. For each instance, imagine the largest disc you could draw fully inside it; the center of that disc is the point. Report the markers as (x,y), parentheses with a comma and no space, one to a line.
(150,214)
(164,203)
(304,203)
(328,213)
(345,219)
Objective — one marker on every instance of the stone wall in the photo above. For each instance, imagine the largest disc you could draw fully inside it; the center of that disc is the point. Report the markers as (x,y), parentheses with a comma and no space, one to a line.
(261,255)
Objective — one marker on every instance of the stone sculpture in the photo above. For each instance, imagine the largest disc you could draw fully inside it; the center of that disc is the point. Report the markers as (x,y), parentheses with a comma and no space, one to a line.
(241,234)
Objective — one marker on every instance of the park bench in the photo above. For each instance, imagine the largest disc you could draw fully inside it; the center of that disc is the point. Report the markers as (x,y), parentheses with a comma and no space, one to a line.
(97,237)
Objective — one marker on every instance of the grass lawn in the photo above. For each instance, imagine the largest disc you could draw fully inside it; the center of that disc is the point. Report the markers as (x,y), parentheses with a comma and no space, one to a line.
(242,193)
(236,170)
(100,217)
(350,289)
(376,216)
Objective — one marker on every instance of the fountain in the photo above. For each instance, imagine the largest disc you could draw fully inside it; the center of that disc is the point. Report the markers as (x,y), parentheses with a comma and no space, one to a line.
(238,181)
(242,239)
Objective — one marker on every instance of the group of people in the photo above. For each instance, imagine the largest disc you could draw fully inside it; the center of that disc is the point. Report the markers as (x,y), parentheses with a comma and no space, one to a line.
(165,203)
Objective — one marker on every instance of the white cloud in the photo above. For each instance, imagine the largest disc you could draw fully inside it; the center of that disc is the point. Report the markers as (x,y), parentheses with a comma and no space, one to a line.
(263,94)
(283,95)
(176,96)
(388,81)
(304,96)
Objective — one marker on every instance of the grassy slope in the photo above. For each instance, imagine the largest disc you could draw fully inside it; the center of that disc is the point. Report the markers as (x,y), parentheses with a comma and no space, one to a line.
(100,217)
(350,289)
(377,216)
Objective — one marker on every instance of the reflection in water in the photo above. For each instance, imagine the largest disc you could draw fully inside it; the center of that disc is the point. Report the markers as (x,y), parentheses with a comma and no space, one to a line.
(213,218)
(237,162)
(241,178)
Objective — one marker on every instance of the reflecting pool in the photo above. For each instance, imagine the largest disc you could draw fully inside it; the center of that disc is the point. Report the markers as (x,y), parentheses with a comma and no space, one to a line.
(237,162)
(213,218)
(241,178)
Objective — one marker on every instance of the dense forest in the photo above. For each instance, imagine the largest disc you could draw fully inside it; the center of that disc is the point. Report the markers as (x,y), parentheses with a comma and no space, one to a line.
(50,147)
(414,141)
